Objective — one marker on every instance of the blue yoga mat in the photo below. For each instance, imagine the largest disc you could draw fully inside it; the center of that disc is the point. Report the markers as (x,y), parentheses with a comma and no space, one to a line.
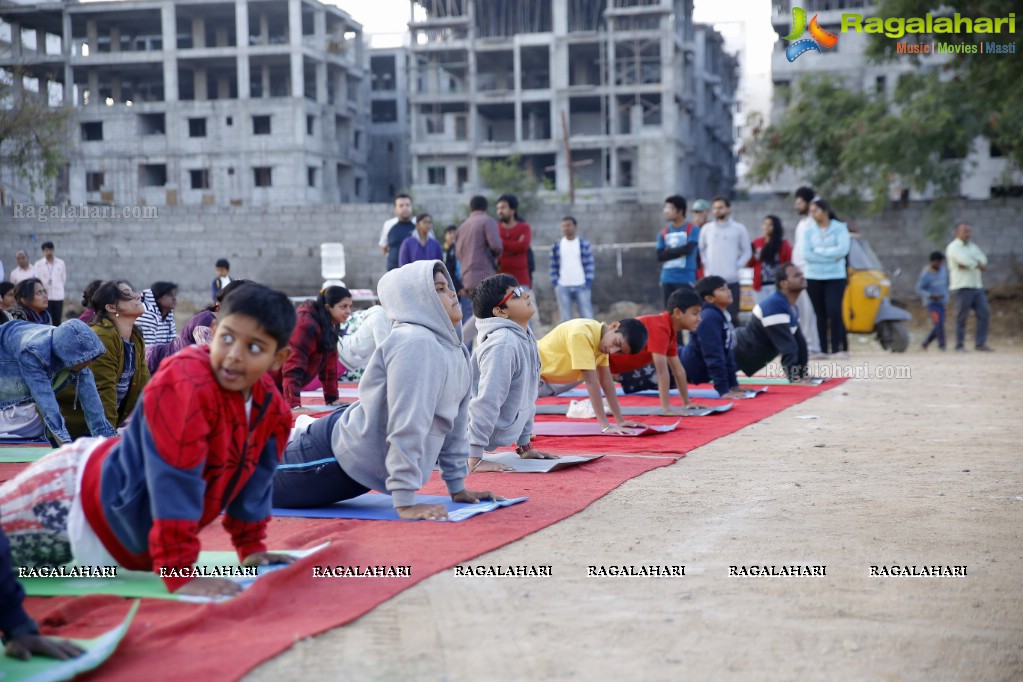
(378,507)
(704,393)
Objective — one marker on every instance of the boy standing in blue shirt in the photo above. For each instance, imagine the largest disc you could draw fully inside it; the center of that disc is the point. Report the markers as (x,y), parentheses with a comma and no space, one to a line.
(678,247)
(932,286)
(710,353)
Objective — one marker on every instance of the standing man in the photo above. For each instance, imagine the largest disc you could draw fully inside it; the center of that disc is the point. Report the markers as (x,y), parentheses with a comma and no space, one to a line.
(677,247)
(572,270)
(516,236)
(807,317)
(53,273)
(477,245)
(965,263)
(24,270)
(701,212)
(397,229)
(725,247)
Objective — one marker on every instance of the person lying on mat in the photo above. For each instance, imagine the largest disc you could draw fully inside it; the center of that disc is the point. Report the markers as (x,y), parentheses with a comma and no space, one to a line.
(636,373)
(774,329)
(37,361)
(577,351)
(412,412)
(505,373)
(709,355)
(205,438)
(363,332)
(21,636)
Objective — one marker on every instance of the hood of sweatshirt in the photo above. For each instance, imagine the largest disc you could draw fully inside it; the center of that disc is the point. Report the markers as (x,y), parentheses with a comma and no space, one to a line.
(408,295)
(487,326)
(74,343)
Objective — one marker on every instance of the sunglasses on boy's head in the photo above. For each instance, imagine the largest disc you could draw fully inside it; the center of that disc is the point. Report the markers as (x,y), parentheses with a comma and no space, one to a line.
(516,292)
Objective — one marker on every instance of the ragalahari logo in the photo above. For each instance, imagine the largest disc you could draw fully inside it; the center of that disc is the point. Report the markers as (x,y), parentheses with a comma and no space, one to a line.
(818,36)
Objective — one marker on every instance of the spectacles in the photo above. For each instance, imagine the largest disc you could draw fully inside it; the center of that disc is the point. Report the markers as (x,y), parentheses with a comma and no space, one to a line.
(516,292)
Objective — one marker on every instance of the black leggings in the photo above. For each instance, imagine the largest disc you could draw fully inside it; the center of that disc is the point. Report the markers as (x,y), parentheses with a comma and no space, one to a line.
(311,477)
(826,297)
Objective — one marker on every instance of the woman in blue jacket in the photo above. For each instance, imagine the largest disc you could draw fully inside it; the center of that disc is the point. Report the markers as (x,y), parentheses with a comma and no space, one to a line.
(38,360)
(825,248)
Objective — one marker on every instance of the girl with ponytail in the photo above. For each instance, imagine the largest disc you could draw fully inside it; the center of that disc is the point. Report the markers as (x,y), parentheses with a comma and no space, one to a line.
(314,346)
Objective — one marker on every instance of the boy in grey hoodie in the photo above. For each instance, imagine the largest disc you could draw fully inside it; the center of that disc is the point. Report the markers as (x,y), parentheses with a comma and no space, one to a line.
(505,372)
(411,413)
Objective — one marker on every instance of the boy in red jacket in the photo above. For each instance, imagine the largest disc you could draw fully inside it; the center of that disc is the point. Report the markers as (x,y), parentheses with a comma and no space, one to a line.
(206,437)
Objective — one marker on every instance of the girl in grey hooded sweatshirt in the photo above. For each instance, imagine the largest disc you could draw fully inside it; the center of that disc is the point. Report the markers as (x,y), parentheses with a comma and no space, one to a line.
(412,410)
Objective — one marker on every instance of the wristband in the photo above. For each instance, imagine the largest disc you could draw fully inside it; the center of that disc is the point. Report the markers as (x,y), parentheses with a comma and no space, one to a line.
(522,449)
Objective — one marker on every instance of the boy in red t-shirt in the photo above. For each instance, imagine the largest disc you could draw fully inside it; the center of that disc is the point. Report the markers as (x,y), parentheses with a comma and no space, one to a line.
(683,312)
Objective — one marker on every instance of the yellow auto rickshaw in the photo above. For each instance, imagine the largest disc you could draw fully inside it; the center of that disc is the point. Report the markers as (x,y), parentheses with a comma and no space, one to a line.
(867,306)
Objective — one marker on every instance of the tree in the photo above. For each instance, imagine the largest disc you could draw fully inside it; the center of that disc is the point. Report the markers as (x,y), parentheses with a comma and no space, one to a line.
(33,134)
(507,176)
(854,146)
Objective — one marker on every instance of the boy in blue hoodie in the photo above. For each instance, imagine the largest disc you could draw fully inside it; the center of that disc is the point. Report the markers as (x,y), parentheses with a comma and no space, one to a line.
(932,287)
(505,373)
(412,410)
(709,355)
(38,361)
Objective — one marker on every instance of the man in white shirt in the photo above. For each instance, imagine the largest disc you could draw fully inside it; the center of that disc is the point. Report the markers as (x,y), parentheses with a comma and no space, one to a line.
(807,317)
(24,269)
(572,270)
(405,224)
(53,273)
(966,262)
(725,247)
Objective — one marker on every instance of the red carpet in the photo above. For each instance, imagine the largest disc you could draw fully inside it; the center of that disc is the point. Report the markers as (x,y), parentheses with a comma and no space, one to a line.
(691,433)
(214,642)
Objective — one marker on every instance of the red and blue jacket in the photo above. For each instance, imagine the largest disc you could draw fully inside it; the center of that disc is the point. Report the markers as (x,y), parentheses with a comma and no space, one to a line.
(189,454)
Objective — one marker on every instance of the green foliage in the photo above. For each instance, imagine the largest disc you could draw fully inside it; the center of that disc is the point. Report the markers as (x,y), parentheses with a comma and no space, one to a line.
(33,135)
(854,146)
(508,176)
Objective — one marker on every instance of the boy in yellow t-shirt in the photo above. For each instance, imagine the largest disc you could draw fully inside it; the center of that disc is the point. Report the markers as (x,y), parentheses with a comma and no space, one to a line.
(577,351)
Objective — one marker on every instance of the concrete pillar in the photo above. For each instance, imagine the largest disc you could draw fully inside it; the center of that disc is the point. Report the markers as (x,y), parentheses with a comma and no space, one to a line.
(295,43)
(115,90)
(40,41)
(198,32)
(241,30)
(67,49)
(115,39)
(91,35)
(264,78)
(223,87)
(321,82)
(94,99)
(222,38)
(264,30)
(200,84)
(517,75)
(168,21)
(15,39)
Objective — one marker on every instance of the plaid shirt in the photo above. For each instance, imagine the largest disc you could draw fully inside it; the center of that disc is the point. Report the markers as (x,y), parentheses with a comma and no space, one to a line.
(307,361)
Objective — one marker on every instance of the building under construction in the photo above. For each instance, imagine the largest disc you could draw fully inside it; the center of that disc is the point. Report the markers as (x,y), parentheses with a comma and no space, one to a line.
(212,102)
(621,99)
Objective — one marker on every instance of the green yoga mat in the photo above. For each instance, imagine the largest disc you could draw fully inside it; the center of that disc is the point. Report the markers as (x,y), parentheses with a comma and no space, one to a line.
(14,454)
(142,584)
(43,669)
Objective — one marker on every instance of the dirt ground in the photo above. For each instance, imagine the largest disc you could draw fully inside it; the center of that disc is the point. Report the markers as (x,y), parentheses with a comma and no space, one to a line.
(917,471)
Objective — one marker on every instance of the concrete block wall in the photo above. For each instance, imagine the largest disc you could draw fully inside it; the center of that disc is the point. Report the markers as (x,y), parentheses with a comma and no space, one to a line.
(280,245)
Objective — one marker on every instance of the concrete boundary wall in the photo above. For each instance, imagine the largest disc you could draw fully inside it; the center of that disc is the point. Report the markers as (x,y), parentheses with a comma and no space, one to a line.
(280,245)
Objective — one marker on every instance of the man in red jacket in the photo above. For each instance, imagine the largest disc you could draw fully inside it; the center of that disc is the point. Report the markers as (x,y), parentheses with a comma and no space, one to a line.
(516,236)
